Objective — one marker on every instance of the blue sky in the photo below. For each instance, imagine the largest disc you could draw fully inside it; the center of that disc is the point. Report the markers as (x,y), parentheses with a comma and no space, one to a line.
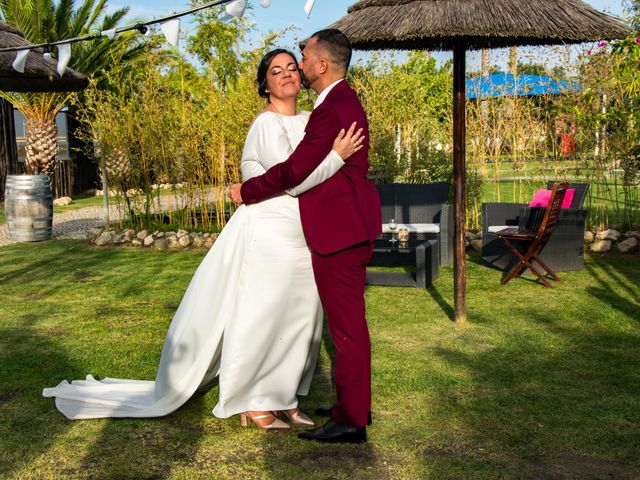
(284,13)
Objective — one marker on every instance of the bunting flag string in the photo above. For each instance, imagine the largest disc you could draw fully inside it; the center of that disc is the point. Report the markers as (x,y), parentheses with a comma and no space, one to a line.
(110,34)
(308,7)
(171,30)
(236,8)
(64,55)
(169,25)
(21,59)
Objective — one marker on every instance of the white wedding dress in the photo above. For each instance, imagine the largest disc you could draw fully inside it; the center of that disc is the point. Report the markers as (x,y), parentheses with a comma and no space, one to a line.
(251,314)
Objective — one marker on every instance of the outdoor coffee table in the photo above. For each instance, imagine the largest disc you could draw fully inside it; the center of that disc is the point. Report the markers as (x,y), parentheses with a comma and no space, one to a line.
(421,254)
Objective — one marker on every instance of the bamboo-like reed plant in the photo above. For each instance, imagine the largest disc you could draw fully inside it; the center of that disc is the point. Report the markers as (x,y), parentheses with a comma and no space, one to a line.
(167,123)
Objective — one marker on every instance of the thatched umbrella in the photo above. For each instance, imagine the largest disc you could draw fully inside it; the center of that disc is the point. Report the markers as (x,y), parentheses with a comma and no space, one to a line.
(40,74)
(459,25)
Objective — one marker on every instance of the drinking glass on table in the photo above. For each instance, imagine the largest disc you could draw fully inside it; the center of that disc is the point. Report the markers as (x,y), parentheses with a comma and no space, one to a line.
(393,226)
(403,236)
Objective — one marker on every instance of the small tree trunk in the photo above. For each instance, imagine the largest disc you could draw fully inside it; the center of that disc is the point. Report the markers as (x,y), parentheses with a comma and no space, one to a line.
(567,61)
(485,66)
(42,145)
(485,69)
(8,147)
(513,61)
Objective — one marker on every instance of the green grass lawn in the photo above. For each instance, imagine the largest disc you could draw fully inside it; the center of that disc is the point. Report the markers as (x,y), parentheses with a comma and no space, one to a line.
(82,202)
(539,383)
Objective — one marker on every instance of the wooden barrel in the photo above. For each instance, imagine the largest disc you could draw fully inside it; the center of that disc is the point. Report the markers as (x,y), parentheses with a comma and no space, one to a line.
(28,207)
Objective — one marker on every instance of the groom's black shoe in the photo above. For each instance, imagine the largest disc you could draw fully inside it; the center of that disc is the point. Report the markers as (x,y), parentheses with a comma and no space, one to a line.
(334,432)
(326,412)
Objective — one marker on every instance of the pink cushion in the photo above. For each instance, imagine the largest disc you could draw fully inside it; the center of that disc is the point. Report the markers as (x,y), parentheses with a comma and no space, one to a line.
(568,198)
(542,197)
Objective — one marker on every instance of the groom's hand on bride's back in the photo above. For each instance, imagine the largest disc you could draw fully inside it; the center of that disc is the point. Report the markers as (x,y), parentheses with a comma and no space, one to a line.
(234,193)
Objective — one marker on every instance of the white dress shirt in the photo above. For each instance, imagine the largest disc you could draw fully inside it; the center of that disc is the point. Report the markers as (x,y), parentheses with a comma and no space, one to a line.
(325,92)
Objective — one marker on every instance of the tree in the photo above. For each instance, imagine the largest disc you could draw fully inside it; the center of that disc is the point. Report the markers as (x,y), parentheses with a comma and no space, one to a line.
(531,68)
(215,44)
(635,15)
(43,21)
(407,105)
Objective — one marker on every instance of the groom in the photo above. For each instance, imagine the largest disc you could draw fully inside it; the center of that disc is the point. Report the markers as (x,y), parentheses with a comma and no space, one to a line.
(340,219)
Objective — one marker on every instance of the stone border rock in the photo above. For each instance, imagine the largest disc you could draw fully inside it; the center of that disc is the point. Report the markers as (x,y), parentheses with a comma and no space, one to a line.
(473,240)
(597,241)
(602,241)
(157,240)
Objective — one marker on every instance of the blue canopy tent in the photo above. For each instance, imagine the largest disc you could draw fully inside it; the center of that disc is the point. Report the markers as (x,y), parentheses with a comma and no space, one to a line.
(507,84)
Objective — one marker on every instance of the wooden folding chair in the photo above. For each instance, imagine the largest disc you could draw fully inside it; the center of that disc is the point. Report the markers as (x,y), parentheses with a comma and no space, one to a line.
(536,240)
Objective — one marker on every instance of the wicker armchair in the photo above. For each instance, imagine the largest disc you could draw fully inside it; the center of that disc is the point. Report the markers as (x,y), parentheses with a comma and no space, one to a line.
(424,206)
(565,250)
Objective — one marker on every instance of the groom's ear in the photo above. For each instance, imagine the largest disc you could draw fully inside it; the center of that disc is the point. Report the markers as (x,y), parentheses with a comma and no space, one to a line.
(323,65)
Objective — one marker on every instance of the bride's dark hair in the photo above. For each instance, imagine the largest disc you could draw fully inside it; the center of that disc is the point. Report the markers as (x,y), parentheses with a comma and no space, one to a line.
(264,67)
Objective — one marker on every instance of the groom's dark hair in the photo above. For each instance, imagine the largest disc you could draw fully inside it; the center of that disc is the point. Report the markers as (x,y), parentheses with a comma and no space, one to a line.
(336,44)
(263,68)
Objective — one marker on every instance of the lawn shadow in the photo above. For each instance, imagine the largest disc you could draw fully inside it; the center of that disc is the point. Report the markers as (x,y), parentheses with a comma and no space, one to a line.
(286,455)
(446,308)
(525,275)
(33,351)
(30,423)
(147,448)
(620,277)
(565,390)
(72,262)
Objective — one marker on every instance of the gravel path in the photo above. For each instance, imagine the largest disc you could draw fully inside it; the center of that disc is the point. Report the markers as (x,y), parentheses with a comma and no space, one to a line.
(73,224)
(4,235)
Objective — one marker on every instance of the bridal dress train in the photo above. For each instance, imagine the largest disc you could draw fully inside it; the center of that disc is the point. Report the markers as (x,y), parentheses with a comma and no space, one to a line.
(251,314)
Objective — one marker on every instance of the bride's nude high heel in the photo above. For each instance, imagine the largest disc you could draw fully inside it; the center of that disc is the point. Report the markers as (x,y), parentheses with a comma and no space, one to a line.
(297,417)
(247,418)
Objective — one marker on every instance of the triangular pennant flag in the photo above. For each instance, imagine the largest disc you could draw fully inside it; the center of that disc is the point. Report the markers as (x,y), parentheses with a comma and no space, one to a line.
(225,17)
(21,58)
(64,55)
(236,8)
(171,30)
(110,34)
(308,7)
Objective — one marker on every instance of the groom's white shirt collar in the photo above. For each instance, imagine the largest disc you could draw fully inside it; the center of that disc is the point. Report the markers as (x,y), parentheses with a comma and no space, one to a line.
(325,92)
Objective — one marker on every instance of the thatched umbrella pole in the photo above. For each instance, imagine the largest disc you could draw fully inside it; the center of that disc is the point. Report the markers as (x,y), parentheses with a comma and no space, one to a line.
(459,175)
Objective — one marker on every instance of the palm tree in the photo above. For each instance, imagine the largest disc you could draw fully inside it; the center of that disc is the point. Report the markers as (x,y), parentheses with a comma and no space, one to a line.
(44,21)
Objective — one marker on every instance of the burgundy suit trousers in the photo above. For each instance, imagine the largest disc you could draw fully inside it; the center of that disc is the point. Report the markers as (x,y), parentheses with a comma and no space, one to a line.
(341,281)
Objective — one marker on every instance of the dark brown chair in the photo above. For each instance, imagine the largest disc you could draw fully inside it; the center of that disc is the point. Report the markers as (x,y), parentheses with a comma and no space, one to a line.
(565,250)
(535,238)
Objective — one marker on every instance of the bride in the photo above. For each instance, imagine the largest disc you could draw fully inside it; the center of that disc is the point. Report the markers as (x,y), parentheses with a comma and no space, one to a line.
(251,315)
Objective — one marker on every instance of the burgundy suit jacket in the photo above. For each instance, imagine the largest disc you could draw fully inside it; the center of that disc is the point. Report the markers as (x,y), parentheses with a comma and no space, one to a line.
(345,209)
